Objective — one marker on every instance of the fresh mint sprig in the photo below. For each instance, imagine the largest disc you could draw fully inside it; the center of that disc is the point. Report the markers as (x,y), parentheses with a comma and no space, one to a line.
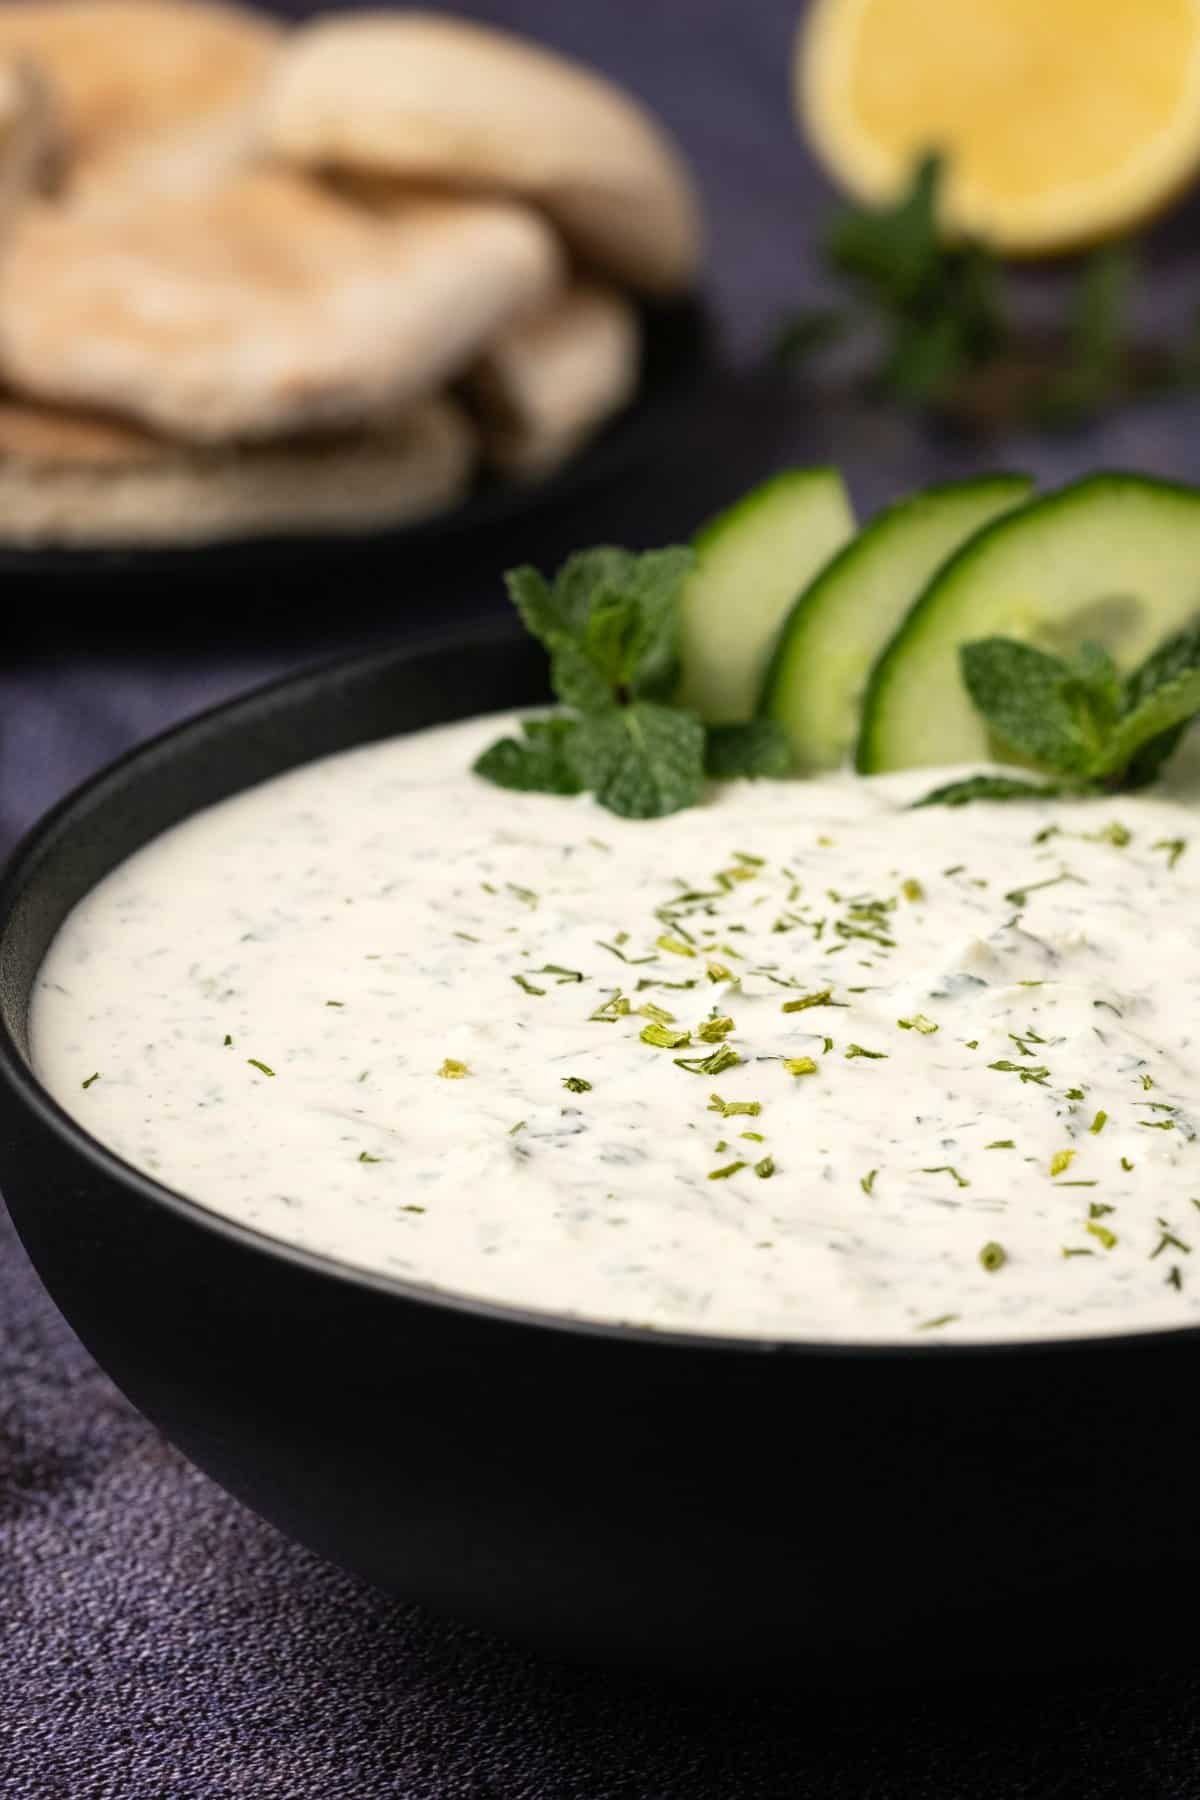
(609,622)
(1078,720)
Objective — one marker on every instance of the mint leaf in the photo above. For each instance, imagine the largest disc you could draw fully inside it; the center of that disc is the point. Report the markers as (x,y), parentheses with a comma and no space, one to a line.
(988,787)
(610,622)
(759,747)
(1054,712)
(641,761)
(539,765)
(1161,698)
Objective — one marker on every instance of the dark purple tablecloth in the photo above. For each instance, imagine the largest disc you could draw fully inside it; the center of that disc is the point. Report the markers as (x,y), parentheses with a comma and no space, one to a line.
(158,1642)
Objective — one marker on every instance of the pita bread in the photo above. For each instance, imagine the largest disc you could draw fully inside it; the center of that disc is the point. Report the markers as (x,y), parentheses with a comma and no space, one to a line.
(71,479)
(262,308)
(30,137)
(547,382)
(421,97)
(131,74)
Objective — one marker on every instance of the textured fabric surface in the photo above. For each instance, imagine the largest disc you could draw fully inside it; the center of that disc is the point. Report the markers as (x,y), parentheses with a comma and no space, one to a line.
(158,1642)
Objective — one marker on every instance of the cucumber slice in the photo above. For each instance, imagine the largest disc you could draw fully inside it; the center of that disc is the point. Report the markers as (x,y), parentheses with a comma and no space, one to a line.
(1114,558)
(751,563)
(846,615)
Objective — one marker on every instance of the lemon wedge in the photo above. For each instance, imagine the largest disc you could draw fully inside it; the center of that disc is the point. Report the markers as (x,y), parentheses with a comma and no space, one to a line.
(1063,121)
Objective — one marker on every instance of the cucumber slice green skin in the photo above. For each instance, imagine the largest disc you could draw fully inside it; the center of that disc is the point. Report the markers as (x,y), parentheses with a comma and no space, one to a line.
(1114,558)
(836,629)
(751,563)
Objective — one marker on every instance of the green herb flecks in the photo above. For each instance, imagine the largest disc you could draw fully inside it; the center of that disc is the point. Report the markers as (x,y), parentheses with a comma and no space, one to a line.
(713,1030)
(946,1169)
(1174,848)
(1038,1073)
(723,1057)
(256,1064)
(855,1050)
(453,1070)
(799,1065)
(528,986)
(867,1182)
(823,998)
(90,1079)
(993,1256)
(575,1084)
(765,1168)
(665,1037)
(1001,1144)
(1098,1123)
(920,1023)
(1102,1233)
(724,1173)
(730,1109)
(364,1158)
(935,1324)
(1061,1161)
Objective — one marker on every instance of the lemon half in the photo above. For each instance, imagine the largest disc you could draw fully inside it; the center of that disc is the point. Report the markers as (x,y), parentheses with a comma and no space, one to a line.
(1063,121)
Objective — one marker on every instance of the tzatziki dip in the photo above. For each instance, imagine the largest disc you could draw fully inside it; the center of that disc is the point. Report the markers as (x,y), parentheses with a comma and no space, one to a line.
(800,1062)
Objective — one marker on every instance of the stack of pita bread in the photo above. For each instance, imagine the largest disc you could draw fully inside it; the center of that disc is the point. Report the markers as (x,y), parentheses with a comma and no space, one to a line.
(254,280)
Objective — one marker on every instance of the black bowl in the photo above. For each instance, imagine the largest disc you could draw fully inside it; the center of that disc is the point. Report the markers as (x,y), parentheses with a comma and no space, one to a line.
(702,1504)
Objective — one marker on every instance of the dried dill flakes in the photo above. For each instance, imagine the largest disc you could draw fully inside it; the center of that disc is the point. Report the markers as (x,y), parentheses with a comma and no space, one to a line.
(853,1050)
(1126,1165)
(724,1173)
(823,998)
(413,1209)
(1097,1209)
(1157,1124)
(920,1023)
(528,986)
(948,1169)
(675,946)
(799,1065)
(519,1126)
(453,1070)
(364,1158)
(1174,848)
(1038,1073)
(1068,1251)
(563,977)
(575,1084)
(659,1014)
(95,1077)
(255,1064)
(718,972)
(1147,1082)
(616,1007)
(935,1324)
(713,1030)
(867,1182)
(228,1044)
(664,1037)
(765,1168)
(755,1137)
(1061,1161)
(1167,1240)
(1001,1144)
(732,1108)
(1098,1123)
(1175,1277)
(723,1057)
(993,1256)
(912,891)
(335,1003)
(1102,1234)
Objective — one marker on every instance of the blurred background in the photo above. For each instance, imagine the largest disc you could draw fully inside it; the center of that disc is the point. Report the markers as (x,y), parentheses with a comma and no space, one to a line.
(785,351)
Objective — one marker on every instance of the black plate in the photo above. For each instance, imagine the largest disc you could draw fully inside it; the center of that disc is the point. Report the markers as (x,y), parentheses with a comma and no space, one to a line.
(677,350)
(718,1506)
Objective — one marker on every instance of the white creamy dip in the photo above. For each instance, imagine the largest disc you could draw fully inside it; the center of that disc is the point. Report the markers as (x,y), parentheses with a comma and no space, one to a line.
(435,972)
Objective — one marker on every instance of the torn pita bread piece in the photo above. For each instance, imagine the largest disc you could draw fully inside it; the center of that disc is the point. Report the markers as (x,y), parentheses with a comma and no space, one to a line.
(72,479)
(30,137)
(421,97)
(262,308)
(547,382)
(133,76)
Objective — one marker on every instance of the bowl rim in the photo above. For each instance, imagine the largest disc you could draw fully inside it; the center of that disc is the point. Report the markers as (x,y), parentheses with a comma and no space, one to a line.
(18,870)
